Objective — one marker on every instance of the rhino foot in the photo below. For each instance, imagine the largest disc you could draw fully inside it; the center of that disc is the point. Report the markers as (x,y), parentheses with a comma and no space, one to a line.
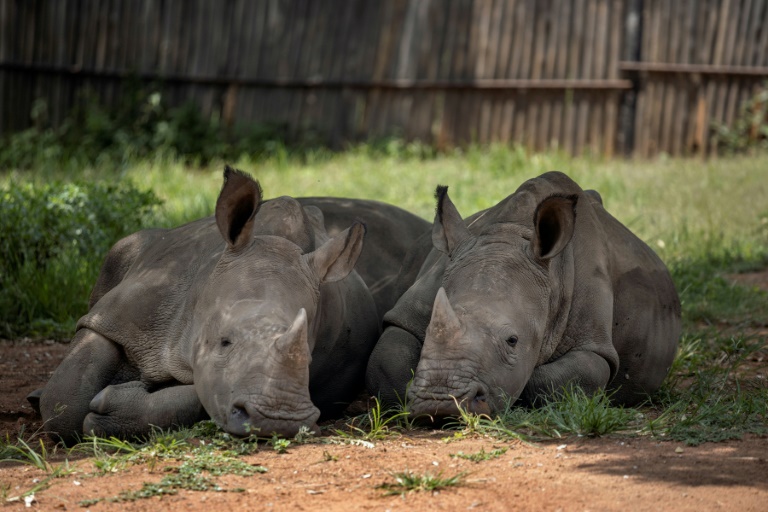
(118,411)
(34,399)
(130,410)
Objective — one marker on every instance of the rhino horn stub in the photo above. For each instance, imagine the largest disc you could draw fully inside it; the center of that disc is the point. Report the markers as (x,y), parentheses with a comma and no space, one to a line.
(292,346)
(448,230)
(444,327)
(236,207)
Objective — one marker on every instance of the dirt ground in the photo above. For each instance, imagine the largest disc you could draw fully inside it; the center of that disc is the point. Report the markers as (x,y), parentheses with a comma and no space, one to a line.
(573,474)
(611,473)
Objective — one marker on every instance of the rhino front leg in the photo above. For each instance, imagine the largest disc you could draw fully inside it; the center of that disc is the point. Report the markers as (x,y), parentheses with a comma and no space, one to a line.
(391,365)
(588,370)
(92,364)
(130,410)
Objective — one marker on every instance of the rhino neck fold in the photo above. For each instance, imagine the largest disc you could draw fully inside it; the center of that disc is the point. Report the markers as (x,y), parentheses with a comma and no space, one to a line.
(562,282)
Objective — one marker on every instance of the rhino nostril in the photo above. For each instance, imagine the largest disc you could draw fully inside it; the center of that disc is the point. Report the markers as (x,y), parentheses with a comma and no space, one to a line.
(479,403)
(238,420)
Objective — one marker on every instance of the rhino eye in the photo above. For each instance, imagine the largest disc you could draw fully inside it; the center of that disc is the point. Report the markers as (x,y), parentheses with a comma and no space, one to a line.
(225,342)
(512,341)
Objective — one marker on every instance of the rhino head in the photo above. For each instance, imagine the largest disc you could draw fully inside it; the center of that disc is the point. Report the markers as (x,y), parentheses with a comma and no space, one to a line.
(492,318)
(257,313)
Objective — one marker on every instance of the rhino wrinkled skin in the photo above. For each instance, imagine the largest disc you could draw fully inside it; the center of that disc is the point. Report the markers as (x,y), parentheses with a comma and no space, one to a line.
(253,317)
(542,291)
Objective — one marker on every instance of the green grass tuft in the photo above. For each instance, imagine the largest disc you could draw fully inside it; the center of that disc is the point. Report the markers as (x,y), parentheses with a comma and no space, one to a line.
(408,481)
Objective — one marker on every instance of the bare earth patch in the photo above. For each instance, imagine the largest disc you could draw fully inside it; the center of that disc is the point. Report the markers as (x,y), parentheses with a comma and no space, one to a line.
(752,279)
(612,473)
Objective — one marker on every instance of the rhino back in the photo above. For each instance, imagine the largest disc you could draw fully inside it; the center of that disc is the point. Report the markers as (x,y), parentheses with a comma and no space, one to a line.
(348,328)
(646,312)
(390,241)
(148,312)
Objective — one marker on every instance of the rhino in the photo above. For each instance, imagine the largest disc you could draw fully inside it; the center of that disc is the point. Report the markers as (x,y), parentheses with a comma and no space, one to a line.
(542,291)
(254,317)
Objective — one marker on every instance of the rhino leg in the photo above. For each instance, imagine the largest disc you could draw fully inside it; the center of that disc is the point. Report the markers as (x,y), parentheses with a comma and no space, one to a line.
(93,363)
(391,365)
(130,410)
(588,370)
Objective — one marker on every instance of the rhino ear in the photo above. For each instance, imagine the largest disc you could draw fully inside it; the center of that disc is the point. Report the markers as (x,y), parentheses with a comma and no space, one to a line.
(238,202)
(448,230)
(554,222)
(315,216)
(336,258)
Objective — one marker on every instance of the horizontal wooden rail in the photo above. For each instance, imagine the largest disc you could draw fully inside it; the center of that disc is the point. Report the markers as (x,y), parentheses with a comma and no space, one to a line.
(320,83)
(702,69)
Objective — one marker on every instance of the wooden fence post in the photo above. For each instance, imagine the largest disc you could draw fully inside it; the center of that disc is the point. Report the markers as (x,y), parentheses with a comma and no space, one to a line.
(633,33)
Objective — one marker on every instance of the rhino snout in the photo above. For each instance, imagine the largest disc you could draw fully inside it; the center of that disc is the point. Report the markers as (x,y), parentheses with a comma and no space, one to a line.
(474,399)
(246,419)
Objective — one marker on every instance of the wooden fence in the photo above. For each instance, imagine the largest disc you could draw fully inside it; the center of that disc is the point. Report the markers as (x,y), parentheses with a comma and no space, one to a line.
(607,76)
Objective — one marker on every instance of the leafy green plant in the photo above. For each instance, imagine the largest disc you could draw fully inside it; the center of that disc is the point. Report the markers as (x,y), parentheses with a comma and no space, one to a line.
(750,129)
(405,418)
(213,453)
(576,412)
(469,422)
(304,435)
(570,412)
(408,481)
(482,455)
(375,424)
(279,444)
(142,125)
(54,238)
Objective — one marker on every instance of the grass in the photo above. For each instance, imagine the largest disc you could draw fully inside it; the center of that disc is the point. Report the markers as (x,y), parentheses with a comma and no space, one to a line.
(375,424)
(190,458)
(706,219)
(482,455)
(408,481)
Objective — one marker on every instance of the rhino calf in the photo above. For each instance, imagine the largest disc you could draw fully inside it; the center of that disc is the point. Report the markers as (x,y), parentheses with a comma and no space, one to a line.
(254,317)
(544,290)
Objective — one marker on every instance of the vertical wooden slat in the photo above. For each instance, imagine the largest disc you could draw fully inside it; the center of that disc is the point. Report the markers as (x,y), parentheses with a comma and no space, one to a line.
(761,53)
(668,49)
(656,86)
(540,24)
(599,50)
(483,68)
(617,16)
(586,71)
(519,68)
(706,93)
(446,107)
(721,56)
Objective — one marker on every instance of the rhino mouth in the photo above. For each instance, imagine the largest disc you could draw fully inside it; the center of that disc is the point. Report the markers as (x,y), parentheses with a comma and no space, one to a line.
(434,405)
(245,418)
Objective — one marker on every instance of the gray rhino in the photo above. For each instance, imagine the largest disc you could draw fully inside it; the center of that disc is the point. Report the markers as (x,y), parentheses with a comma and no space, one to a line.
(544,290)
(253,317)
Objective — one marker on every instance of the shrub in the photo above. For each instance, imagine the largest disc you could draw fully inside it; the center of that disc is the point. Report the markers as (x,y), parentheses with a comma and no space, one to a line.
(750,129)
(54,239)
(143,124)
